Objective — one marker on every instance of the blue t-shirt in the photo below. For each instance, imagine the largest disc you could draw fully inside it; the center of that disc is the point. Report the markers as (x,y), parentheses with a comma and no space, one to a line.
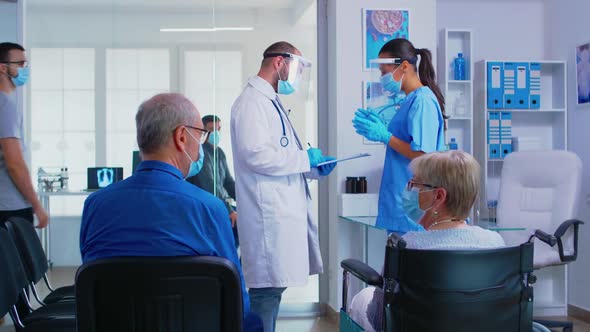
(418,122)
(156,213)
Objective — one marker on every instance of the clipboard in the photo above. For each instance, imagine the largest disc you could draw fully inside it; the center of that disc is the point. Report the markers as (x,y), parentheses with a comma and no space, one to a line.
(360,155)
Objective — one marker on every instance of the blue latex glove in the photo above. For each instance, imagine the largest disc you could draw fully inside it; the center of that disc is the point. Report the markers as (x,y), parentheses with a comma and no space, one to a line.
(368,114)
(326,169)
(315,156)
(363,113)
(369,125)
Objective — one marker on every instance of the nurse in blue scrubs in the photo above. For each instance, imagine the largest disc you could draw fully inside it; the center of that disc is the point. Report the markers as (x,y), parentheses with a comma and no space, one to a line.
(416,128)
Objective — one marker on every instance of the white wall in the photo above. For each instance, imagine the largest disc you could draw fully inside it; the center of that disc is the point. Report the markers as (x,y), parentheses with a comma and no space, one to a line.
(566,23)
(103,27)
(345,96)
(12,30)
(8,31)
(502,29)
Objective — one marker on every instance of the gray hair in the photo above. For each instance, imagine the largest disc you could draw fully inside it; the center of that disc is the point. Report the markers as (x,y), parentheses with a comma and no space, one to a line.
(455,171)
(157,118)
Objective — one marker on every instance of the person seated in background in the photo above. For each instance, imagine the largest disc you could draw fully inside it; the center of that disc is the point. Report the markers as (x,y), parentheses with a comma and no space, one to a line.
(439,197)
(215,176)
(155,212)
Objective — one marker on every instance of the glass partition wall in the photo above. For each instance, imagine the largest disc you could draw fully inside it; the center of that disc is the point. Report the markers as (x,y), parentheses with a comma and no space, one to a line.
(94,61)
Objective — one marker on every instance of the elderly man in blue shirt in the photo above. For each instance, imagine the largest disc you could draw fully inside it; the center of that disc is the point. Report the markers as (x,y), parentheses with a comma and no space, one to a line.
(156,212)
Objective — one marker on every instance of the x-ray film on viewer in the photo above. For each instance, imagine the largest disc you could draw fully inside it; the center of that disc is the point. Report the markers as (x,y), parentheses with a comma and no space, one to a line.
(101,177)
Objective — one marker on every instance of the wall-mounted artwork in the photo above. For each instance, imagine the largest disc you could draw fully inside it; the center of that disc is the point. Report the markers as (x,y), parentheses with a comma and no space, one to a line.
(583,73)
(381,26)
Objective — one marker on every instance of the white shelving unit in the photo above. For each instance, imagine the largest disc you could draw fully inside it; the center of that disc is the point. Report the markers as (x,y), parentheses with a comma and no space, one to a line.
(546,127)
(459,125)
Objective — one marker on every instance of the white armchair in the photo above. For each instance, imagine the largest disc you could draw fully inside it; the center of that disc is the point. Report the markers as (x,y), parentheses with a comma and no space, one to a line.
(540,191)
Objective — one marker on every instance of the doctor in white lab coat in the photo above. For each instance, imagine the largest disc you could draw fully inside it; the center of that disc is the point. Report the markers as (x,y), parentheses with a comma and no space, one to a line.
(278,234)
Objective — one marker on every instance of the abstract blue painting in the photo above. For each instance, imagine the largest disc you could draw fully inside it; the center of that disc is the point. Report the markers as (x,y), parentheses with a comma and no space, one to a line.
(381,26)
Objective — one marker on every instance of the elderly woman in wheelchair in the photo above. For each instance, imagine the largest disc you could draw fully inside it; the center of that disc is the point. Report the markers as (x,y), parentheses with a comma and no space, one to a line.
(440,197)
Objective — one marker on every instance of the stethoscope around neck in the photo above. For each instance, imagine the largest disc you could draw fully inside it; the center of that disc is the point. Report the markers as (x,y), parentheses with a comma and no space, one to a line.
(284,140)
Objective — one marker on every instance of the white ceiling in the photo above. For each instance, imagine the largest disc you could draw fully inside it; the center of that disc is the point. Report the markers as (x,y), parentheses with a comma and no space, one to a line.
(224,12)
(168,4)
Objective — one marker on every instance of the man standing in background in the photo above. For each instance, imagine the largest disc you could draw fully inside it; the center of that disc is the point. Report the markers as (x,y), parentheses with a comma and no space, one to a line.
(17,194)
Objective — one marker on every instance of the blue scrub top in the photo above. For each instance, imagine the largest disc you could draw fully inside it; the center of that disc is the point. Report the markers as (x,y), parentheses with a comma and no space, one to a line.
(418,122)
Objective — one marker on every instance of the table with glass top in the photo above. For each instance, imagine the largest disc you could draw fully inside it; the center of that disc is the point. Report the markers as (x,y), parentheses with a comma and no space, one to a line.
(45,233)
(366,222)
(371,221)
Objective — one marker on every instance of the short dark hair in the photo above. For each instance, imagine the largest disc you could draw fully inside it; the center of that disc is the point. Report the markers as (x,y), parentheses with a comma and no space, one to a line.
(404,49)
(210,118)
(279,47)
(5,49)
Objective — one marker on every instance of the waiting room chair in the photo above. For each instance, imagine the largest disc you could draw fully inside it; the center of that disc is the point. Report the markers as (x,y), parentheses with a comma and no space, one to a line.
(449,290)
(159,294)
(35,262)
(541,190)
(57,317)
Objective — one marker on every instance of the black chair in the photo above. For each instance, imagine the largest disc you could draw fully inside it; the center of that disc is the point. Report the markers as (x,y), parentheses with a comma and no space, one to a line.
(149,294)
(56,317)
(444,290)
(34,260)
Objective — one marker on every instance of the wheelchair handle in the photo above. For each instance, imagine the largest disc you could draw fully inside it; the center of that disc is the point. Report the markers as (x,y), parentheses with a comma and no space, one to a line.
(551,240)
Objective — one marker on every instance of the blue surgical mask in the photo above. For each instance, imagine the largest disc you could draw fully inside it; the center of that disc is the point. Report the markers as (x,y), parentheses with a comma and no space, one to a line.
(214,137)
(389,83)
(411,204)
(22,77)
(196,165)
(285,87)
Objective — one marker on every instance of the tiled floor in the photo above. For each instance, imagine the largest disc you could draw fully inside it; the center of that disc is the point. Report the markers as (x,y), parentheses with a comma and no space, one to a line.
(306,325)
(283,325)
(579,326)
(324,325)
(65,276)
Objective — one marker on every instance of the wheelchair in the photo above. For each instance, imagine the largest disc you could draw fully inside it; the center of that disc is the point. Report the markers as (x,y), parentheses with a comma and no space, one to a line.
(450,290)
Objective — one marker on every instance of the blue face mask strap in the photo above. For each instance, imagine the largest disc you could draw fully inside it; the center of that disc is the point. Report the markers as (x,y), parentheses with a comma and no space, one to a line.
(284,139)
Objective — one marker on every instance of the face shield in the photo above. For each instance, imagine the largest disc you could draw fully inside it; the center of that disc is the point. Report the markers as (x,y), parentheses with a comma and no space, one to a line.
(294,74)
(384,94)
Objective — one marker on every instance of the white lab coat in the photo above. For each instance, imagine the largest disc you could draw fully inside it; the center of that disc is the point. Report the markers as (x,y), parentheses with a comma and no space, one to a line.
(278,235)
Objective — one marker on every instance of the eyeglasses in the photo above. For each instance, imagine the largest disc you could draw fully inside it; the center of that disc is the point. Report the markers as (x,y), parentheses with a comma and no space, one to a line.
(23,63)
(204,134)
(412,184)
